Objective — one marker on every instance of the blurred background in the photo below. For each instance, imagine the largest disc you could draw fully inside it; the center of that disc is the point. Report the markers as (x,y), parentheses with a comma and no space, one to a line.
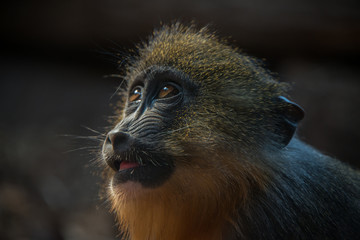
(54,60)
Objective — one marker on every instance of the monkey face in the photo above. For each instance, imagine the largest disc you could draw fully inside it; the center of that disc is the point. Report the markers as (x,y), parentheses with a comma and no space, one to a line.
(136,148)
(191,100)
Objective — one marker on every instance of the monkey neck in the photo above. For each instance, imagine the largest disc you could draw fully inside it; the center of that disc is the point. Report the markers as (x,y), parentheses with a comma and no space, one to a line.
(188,206)
(173,222)
(160,215)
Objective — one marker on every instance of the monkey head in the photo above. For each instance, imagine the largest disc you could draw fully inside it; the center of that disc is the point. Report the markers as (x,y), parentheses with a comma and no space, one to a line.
(194,110)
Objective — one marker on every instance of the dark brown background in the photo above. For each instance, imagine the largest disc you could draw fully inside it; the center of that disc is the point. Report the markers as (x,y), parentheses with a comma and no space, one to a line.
(52,84)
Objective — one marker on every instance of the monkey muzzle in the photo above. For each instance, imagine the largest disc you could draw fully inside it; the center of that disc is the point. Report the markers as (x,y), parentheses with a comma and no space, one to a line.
(135,161)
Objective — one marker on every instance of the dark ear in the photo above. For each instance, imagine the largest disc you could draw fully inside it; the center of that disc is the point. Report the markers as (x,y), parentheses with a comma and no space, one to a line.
(289,114)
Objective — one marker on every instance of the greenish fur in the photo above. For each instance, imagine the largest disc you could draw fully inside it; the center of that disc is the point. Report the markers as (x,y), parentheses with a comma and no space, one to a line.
(236,88)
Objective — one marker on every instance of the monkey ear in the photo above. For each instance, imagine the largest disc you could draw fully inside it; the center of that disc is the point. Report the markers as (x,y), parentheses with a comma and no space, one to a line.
(289,114)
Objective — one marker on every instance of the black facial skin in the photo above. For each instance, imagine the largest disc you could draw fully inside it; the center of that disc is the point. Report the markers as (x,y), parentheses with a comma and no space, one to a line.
(148,115)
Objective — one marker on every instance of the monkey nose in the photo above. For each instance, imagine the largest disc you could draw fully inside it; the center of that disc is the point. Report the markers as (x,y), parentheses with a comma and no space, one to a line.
(118,140)
(116,143)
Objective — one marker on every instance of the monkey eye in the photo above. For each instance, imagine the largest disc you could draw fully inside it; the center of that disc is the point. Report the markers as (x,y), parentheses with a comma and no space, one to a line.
(167,91)
(135,94)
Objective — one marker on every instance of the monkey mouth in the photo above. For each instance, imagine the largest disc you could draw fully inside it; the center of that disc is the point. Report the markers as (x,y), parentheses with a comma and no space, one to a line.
(148,174)
(127,165)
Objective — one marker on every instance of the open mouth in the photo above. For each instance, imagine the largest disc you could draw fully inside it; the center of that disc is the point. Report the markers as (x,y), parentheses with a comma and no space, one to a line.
(148,174)
(126,165)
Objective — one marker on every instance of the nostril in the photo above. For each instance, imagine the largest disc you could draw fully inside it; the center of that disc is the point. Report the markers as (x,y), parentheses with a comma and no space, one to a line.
(118,140)
(108,141)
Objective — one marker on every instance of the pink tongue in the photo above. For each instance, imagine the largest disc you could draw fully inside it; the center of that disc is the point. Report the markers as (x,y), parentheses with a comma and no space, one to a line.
(127,165)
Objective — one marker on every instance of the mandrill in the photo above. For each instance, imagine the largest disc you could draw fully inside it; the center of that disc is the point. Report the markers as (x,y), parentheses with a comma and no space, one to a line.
(204,148)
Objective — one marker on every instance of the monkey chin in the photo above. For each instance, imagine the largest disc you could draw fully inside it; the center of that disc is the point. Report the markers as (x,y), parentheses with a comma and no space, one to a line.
(127,190)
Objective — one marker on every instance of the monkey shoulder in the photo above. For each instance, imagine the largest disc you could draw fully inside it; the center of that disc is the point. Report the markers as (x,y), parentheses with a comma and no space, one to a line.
(310,196)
